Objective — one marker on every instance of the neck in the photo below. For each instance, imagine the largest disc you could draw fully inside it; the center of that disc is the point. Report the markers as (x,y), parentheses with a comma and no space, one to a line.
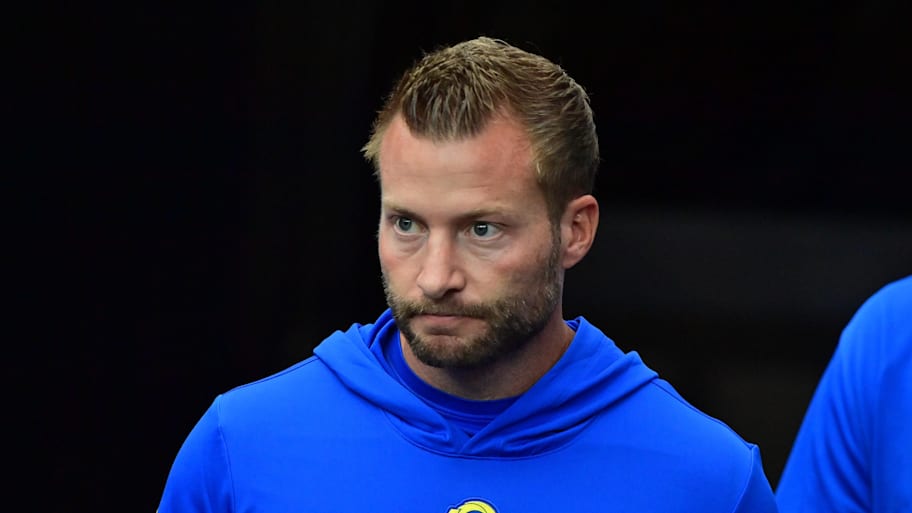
(506,377)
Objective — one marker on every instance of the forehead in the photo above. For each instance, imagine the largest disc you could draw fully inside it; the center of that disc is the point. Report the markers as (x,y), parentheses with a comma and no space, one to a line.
(493,166)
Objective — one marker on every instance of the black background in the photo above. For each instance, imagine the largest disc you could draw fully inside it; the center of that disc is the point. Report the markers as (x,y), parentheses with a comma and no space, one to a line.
(195,212)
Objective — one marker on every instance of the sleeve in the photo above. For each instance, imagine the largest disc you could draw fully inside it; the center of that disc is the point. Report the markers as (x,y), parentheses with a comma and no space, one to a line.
(757,496)
(829,465)
(200,476)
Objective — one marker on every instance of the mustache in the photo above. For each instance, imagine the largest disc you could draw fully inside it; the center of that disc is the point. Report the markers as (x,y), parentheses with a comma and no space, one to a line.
(408,309)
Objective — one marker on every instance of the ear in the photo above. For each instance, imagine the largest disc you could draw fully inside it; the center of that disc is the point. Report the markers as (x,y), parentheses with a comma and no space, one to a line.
(578,226)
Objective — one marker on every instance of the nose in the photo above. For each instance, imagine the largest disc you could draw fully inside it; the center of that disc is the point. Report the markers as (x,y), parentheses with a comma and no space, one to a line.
(440,268)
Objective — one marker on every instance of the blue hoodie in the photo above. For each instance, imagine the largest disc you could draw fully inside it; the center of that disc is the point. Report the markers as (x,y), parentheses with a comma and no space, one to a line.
(338,432)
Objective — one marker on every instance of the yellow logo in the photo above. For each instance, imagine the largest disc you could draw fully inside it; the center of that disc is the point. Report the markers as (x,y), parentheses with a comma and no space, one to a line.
(473,506)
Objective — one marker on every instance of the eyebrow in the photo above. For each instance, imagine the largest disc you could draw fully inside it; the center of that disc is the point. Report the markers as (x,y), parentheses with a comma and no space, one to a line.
(392,207)
(476,213)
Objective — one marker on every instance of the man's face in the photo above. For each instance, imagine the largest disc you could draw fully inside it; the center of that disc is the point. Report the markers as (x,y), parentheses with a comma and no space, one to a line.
(470,260)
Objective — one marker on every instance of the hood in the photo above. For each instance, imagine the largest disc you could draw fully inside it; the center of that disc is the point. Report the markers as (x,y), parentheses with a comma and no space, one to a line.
(591,376)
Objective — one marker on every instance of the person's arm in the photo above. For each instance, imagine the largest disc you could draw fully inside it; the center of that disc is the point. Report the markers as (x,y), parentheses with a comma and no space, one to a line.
(200,477)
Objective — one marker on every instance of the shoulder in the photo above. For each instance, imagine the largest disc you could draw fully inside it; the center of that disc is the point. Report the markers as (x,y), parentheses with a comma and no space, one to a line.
(880,331)
(687,424)
(892,303)
(719,459)
(658,418)
(664,434)
(303,382)
(649,412)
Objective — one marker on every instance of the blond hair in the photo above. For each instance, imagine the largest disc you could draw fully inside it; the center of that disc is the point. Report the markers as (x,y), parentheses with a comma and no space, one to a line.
(453,92)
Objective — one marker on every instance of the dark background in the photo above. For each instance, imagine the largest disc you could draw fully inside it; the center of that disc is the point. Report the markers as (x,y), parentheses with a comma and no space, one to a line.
(196,213)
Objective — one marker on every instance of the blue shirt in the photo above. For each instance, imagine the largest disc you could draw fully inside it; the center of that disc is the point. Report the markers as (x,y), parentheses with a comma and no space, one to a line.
(853,452)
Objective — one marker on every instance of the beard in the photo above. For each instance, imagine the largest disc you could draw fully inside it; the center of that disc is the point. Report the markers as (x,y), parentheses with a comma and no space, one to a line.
(511,320)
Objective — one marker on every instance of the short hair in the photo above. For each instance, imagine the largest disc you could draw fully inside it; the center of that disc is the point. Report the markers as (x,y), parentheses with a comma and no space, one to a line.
(453,92)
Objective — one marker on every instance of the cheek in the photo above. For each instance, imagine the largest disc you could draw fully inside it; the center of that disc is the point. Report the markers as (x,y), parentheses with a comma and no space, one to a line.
(508,272)
(386,257)
(524,268)
(393,261)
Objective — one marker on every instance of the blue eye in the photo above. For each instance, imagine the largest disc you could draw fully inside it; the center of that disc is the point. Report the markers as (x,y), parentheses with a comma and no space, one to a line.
(404,224)
(484,230)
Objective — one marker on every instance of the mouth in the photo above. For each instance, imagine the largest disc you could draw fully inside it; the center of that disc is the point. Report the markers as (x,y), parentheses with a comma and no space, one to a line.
(440,316)
(441,320)
(442,313)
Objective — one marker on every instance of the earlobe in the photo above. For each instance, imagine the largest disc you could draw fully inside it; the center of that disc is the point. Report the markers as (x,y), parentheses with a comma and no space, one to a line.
(578,228)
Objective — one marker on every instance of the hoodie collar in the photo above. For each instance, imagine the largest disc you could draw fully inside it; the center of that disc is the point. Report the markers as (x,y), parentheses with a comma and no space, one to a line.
(591,376)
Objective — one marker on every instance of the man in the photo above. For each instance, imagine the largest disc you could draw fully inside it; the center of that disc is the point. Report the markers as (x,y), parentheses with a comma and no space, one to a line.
(471,393)
(853,452)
